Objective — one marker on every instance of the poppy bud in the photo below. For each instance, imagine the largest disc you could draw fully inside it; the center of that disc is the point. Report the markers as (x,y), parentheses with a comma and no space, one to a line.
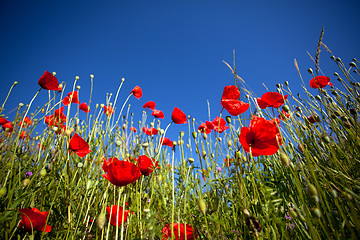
(317,97)
(187,145)
(181,142)
(238,156)
(298,114)
(312,190)
(326,139)
(78,87)
(316,212)
(310,70)
(15,83)
(246,212)
(161,131)
(338,59)
(229,143)
(284,159)
(88,184)
(145,144)
(354,59)
(118,143)
(2,191)
(124,126)
(204,154)
(77,78)
(205,136)
(174,143)
(21,104)
(100,221)
(202,205)
(219,139)
(332,57)
(228,119)
(333,193)
(352,64)
(286,108)
(42,173)
(301,147)
(194,134)
(91,76)
(191,160)
(80,165)
(286,83)
(181,134)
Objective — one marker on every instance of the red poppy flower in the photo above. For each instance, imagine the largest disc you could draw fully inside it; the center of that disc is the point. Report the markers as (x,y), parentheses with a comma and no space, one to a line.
(49,82)
(179,230)
(137,92)
(8,127)
(320,81)
(146,164)
(166,141)
(26,123)
(115,214)
(262,136)
(84,107)
(227,162)
(271,99)
(230,102)
(57,119)
(133,129)
(79,146)
(150,131)
(283,115)
(120,173)
(150,104)
(23,135)
(3,121)
(108,110)
(72,97)
(178,116)
(219,124)
(33,219)
(158,114)
(204,129)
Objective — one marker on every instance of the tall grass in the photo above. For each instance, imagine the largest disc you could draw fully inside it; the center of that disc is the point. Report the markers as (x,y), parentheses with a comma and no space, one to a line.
(309,189)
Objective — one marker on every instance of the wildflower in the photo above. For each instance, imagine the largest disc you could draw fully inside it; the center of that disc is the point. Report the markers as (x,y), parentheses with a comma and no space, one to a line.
(137,92)
(271,99)
(320,81)
(204,129)
(262,137)
(158,114)
(166,141)
(23,135)
(150,131)
(33,219)
(26,122)
(28,174)
(120,173)
(146,164)
(283,115)
(79,146)
(115,214)
(84,107)
(57,119)
(227,161)
(150,104)
(182,230)
(49,82)
(178,116)
(72,97)
(108,110)
(230,102)
(133,129)
(8,127)
(218,124)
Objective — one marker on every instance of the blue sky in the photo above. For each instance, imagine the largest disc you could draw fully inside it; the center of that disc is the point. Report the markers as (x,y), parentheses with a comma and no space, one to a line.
(172,49)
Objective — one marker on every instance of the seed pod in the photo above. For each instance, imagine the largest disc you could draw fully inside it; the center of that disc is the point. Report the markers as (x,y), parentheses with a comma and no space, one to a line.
(228,119)
(284,159)
(202,205)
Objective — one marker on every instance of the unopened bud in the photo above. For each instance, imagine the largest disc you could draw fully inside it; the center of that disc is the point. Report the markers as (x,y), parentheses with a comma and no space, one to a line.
(77,78)
(229,143)
(286,108)
(310,70)
(191,160)
(284,159)
(316,212)
(352,64)
(181,134)
(15,83)
(2,191)
(42,173)
(312,190)
(194,134)
(228,119)
(246,212)
(205,136)
(26,182)
(100,221)
(204,154)
(286,83)
(202,205)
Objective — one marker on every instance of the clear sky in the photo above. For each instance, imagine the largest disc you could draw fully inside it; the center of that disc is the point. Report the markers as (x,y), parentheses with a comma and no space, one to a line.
(172,49)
